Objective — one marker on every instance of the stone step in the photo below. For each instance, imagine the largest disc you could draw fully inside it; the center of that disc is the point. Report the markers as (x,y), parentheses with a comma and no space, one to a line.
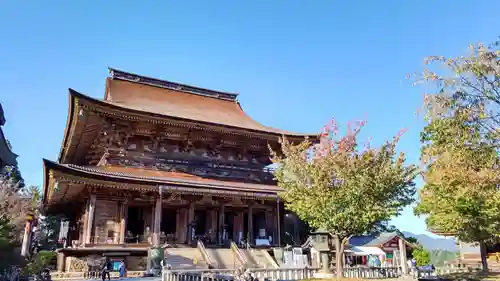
(225,258)
(183,258)
(259,257)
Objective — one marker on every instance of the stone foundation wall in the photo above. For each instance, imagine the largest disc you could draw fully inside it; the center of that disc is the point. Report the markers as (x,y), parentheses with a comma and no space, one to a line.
(136,263)
(76,264)
(79,264)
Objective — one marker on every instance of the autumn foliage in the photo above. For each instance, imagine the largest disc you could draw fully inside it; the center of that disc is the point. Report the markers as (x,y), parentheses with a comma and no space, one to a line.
(460,146)
(335,184)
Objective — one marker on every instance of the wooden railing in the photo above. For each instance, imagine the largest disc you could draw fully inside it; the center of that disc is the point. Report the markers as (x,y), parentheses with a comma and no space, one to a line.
(225,275)
(208,259)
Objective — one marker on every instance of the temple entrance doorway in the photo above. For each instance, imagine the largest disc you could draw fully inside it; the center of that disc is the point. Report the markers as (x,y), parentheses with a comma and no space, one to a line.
(200,221)
(168,223)
(259,226)
(135,224)
(229,224)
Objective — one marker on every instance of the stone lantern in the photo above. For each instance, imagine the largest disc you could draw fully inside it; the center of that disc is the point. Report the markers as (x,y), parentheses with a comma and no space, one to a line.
(155,256)
(321,243)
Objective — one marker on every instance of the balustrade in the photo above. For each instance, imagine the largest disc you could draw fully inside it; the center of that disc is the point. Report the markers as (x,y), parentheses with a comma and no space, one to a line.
(225,275)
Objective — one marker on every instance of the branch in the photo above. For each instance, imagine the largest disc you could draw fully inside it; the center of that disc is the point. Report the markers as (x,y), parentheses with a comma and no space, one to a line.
(346,239)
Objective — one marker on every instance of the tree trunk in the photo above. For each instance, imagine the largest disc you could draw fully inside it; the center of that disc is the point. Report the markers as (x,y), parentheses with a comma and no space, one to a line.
(339,261)
(484,257)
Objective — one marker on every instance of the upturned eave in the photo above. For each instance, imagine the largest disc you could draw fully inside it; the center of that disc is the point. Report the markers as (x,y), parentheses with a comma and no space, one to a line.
(80,104)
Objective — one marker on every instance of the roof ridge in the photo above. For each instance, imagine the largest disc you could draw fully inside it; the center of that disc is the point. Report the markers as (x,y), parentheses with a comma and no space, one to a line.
(155,82)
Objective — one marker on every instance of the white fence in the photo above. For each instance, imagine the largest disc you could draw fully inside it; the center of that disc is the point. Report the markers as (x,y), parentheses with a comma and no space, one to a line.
(300,274)
(276,274)
(372,272)
(223,275)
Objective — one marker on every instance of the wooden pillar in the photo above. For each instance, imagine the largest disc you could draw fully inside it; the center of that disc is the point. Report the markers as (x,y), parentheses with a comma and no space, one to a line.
(157,222)
(152,223)
(89,224)
(269,225)
(402,254)
(250,226)
(123,221)
(190,222)
(179,226)
(213,225)
(221,224)
(240,228)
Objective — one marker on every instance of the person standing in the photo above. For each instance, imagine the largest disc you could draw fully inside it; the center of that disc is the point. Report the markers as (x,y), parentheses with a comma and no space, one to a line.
(414,270)
(122,269)
(106,268)
(409,267)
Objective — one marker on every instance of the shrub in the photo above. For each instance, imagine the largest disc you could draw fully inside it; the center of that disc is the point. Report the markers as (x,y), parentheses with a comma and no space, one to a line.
(38,262)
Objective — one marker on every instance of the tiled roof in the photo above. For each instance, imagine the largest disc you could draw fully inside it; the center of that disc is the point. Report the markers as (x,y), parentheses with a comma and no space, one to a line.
(149,95)
(372,240)
(164,177)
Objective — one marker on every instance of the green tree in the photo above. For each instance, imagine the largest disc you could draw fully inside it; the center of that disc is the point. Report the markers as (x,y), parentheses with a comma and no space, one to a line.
(347,190)
(460,148)
(13,210)
(469,84)
(38,262)
(7,247)
(15,204)
(421,256)
(47,234)
(460,194)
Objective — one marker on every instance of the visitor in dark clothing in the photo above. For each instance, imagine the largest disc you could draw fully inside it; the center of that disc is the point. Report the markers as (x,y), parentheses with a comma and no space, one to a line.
(106,268)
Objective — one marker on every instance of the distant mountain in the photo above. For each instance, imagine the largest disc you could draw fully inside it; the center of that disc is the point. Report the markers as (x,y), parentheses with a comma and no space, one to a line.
(432,243)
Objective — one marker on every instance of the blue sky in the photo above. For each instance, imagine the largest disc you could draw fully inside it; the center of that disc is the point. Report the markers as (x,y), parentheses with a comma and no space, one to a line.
(294,64)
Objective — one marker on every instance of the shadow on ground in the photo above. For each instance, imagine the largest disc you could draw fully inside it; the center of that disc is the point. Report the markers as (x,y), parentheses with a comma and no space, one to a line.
(493,276)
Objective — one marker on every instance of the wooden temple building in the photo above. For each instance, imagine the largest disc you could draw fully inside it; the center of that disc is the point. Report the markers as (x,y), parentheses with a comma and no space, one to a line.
(156,163)
(7,157)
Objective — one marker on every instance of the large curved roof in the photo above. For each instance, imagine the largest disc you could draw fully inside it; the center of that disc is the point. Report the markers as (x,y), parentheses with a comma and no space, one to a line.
(133,97)
(156,96)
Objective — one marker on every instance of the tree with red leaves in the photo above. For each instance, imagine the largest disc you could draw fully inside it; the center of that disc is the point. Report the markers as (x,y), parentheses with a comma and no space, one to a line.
(347,190)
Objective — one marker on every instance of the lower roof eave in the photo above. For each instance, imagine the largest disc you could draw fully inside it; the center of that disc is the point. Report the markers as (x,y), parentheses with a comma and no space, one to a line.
(118,180)
(104,249)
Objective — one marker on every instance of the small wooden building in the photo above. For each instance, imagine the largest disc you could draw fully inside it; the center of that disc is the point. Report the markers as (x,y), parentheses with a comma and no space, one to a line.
(158,162)
(388,247)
